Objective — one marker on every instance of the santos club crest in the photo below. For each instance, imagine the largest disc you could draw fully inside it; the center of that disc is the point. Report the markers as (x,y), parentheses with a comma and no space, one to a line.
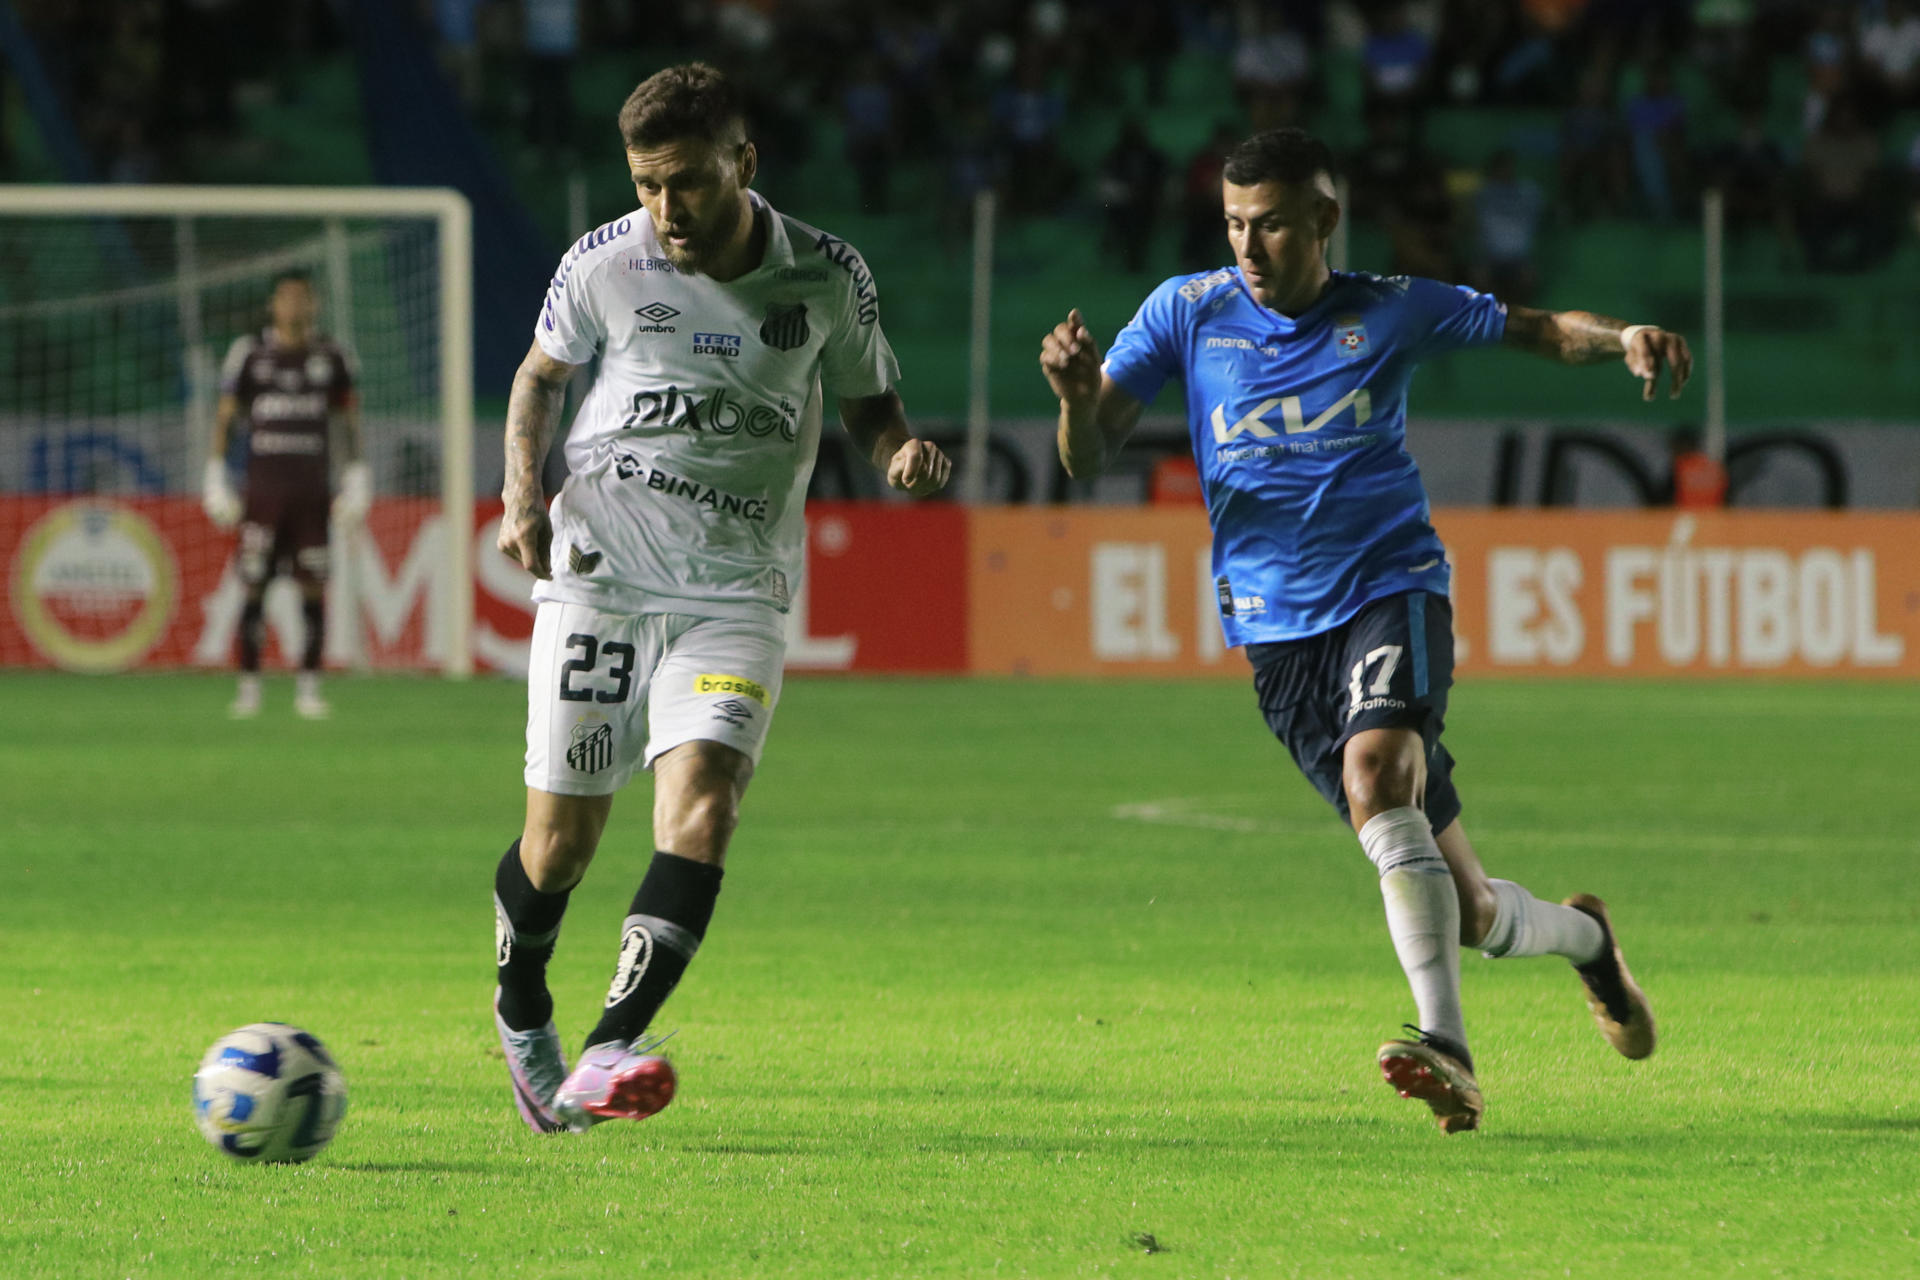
(785,326)
(590,748)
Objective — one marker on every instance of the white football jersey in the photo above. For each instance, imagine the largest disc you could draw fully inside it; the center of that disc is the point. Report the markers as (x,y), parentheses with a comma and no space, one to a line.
(690,455)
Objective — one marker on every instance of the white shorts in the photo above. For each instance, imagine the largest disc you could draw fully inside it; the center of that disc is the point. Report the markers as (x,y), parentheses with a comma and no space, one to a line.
(609,692)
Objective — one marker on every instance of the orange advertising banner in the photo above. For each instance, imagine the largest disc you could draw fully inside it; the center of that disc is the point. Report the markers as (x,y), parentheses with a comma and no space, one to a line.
(1094,591)
(1128,591)
(1686,594)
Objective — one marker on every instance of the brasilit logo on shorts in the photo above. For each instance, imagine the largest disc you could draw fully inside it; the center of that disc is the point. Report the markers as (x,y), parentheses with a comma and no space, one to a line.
(739,685)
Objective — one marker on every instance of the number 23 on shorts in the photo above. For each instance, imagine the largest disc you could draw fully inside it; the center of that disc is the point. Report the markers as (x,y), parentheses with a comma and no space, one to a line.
(619,654)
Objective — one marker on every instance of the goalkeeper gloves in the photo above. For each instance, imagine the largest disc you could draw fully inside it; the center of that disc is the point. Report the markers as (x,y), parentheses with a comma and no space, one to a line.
(356,493)
(217,497)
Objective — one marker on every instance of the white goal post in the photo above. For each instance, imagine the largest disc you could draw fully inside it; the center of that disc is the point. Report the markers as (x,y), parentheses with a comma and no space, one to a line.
(342,242)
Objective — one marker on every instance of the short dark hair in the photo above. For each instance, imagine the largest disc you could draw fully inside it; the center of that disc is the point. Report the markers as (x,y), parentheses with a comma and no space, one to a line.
(693,100)
(300,274)
(1278,155)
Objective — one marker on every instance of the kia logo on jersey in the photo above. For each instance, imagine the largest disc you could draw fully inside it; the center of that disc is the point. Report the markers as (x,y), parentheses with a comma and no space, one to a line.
(786,326)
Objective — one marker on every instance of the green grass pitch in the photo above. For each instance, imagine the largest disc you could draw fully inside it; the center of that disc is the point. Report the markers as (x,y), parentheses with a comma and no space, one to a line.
(1046,979)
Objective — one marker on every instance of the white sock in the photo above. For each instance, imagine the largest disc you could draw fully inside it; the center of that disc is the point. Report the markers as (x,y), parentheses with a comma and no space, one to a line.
(1423,915)
(1525,926)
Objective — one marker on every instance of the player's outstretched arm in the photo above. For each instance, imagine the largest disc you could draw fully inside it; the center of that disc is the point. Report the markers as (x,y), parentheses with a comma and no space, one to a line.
(533,412)
(355,498)
(1096,415)
(878,425)
(1581,337)
(217,498)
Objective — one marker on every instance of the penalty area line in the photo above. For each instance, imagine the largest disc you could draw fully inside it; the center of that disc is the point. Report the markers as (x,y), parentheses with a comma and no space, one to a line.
(1182,812)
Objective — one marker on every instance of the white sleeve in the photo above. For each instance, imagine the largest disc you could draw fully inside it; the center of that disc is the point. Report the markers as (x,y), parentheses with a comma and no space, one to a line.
(235,363)
(569,328)
(857,361)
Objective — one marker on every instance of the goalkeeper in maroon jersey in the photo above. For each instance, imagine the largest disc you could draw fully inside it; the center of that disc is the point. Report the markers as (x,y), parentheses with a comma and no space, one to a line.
(290,386)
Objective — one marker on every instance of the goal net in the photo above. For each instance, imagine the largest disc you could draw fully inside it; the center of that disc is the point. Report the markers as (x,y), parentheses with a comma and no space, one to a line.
(117,308)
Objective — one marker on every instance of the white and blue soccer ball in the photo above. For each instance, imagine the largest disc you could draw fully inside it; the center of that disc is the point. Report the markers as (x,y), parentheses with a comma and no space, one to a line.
(269,1093)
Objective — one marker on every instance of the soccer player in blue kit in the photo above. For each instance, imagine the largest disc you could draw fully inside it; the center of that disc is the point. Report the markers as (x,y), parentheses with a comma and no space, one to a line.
(1330,572)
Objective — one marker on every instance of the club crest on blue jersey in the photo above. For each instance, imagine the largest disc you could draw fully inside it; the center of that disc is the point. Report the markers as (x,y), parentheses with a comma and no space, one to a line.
(1350,338)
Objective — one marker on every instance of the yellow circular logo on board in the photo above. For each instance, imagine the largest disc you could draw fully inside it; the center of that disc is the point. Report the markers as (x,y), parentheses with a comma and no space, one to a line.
(94,586)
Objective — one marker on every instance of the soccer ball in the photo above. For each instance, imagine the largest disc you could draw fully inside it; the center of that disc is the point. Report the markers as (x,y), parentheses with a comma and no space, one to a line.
(269,1093)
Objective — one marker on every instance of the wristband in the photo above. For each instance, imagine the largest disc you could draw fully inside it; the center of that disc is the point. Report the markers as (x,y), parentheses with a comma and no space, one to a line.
(1626,334)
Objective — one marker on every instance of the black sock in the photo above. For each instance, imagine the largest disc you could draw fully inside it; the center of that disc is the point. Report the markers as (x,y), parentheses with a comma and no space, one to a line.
(662,930)
(315,612)
(253,628)
(526,925)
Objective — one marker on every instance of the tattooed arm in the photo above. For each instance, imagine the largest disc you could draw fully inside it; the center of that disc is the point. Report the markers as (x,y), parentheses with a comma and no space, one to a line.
(533,411)
(1581,337)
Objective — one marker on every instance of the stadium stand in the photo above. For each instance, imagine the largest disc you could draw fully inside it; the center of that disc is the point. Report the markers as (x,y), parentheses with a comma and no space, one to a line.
(1487,77)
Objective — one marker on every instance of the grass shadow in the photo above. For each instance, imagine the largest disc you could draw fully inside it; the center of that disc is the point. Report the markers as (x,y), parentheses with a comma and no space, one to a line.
(1858,1123)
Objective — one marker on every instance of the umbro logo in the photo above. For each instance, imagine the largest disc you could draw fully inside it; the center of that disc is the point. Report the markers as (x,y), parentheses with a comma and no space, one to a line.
(658,313)
(733,711)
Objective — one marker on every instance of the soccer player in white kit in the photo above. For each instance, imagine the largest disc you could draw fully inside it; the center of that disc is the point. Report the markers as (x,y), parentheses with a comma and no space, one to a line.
(669,556)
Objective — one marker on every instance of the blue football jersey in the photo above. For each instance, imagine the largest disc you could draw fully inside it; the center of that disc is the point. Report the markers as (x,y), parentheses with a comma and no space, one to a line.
(1299,428)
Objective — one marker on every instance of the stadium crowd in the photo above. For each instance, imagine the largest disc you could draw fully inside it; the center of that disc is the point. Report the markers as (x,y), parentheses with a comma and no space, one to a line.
(1796,109)
(1806,113)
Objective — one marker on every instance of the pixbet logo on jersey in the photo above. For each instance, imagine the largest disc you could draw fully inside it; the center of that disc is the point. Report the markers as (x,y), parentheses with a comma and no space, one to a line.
(716,344)
(721,412)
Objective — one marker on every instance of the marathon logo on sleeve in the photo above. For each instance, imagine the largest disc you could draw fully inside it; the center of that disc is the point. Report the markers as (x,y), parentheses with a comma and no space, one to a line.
(1242,344)
(738,686)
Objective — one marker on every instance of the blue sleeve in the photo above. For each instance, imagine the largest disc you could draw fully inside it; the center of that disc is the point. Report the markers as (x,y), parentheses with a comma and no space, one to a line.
(1447,317)
(1151,348)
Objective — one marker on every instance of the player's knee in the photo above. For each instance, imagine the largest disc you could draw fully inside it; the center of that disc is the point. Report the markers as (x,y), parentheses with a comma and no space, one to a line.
(1380,778)
(700,825)
(556,857)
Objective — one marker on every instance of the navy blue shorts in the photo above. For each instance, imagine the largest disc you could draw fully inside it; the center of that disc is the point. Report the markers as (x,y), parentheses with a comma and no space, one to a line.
(1389,666)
